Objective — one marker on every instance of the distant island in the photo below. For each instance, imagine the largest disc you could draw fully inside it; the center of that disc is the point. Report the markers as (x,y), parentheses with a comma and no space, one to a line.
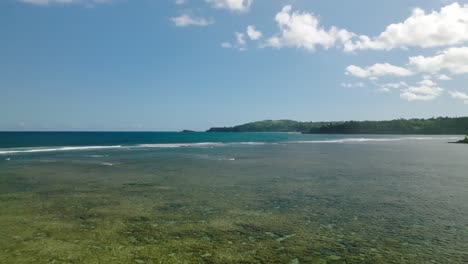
(187,131)
(431,126)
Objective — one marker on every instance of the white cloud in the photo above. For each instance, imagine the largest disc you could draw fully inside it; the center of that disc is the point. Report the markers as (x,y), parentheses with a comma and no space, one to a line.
(64,2)
(425,91)
(357,71)
(180,2)
(459,95)
(449,26)
(274,42)
(443,65)
(387,87)
(444,77)
(352,85)
(303,30)
(232,5)
(253,33)
(240,38)
(452,60)
(377,70)
(240,43)
(187,20)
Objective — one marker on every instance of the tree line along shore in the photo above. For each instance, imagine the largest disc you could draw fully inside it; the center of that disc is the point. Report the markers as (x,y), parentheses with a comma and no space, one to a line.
(431,126)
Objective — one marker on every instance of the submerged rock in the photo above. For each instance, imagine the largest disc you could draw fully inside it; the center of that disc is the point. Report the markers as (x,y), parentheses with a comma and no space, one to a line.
(294,261)
(464,141)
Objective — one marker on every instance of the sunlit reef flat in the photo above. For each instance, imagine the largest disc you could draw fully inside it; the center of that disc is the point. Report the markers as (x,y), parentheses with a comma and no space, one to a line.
(336,201)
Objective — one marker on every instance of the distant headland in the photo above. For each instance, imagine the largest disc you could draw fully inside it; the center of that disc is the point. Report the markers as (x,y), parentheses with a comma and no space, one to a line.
(431,126)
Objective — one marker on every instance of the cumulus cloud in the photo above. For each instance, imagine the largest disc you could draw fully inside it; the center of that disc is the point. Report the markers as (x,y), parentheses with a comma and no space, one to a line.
(426,90)
(459,95)
(253,33)
(240,38)
(442,66)
(186,20)
(445,27)
(387,87)
(239,44)
(377,70)
(444,77)
(453,60)
(449,26)
(232,5)
(64,2)
(303,30)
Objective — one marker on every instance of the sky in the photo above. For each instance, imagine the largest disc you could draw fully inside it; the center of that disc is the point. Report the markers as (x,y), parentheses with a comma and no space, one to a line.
(168,65)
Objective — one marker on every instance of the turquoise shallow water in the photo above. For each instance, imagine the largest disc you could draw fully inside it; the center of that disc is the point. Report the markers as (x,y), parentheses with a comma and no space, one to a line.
(232,198)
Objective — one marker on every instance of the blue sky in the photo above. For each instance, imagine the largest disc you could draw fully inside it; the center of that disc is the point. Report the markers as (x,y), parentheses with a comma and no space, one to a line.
(193,64)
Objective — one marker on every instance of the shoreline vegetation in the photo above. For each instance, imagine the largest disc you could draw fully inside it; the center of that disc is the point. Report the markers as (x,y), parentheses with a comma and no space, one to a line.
(431,126)
(463,141)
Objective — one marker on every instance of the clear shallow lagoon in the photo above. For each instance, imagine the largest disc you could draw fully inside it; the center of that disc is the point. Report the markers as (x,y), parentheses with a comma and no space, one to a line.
(232,198)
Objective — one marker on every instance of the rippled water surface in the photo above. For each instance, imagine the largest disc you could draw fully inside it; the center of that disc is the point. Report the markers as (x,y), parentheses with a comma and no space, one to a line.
(232,198)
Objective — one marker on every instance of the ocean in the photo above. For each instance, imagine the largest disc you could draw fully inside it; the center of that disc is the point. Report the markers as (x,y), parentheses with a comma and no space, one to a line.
(166,197)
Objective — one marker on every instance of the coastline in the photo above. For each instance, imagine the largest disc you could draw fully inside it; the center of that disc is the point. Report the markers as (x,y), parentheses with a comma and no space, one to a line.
(463,141)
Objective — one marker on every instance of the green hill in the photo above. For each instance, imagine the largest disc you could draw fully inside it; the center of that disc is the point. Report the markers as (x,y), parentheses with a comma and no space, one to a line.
(440,125)
(270,126)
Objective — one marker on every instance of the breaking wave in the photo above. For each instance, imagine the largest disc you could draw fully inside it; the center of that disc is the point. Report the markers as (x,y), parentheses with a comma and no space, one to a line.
(182,145)
(38,150)
(211,144)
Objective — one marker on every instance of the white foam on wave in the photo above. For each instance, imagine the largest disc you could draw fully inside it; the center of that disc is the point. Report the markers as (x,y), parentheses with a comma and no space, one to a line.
(252,143)
(226,159)
(98,156)
(38,150)
(201,144)
(182,145)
